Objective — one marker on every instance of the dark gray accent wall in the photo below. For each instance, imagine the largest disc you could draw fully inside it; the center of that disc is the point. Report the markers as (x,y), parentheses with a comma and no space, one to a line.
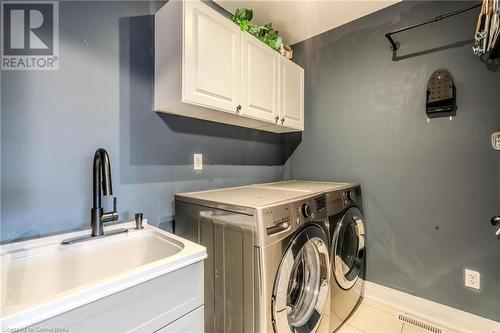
(52,122)
(429,189)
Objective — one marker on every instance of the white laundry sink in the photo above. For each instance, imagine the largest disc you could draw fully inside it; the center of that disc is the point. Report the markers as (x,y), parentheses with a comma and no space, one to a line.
(42,278)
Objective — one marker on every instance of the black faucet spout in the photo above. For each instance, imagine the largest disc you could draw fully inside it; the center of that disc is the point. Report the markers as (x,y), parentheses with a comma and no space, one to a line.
(101,182)
(101,176)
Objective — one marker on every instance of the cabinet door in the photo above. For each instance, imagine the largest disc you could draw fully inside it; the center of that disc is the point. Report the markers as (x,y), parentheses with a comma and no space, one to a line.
(211,58)
(259,79)
(292,95)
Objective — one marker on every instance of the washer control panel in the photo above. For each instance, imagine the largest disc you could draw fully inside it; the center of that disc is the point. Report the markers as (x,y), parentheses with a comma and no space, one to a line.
(276,222)
(336,201)
(349,196)
(309,210)
(306,210)
(352,196)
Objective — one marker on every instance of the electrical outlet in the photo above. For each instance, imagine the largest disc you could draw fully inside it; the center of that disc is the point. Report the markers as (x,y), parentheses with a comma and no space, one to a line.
(198,161)
(472,279)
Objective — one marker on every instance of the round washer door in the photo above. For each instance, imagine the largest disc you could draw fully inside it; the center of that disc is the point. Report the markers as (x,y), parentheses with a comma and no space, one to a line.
(348,248)
(302,282)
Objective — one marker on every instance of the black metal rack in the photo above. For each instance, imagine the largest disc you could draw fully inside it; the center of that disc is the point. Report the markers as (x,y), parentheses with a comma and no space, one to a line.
(495,53)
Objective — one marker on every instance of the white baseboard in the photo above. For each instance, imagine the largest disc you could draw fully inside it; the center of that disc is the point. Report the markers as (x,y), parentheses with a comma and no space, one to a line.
(431,311)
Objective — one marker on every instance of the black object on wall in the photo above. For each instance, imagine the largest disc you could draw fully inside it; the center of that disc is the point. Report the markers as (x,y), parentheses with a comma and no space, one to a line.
(441,95)
(395,45)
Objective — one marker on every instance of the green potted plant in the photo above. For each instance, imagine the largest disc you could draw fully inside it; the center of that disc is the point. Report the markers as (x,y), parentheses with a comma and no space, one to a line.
(265,33)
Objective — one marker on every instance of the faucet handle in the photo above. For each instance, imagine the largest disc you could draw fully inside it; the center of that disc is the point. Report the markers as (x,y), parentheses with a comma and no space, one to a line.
(110,216)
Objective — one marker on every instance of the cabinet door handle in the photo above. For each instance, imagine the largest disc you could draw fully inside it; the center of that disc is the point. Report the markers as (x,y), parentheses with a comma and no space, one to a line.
(238,109)
(282,121)
(276,118)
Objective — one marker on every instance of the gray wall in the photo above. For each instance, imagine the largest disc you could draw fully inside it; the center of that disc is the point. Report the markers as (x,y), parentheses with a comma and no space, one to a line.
(429,189)
(52,122)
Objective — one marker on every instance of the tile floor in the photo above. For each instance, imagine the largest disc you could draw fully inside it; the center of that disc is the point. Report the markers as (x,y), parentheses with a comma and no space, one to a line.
(375,317)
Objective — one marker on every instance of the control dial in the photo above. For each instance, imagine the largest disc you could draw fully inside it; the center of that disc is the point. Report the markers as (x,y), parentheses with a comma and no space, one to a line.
(350,195)
(306,210)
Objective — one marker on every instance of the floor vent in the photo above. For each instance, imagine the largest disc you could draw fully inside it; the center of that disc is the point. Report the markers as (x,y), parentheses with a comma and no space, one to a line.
(429,327)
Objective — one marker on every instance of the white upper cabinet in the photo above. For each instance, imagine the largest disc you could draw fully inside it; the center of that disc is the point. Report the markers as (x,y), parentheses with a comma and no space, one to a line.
(260,79)
(292,95)
(211,58)
(207,68)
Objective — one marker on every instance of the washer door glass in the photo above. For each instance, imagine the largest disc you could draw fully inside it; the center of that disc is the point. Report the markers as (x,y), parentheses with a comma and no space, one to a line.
(301,285)
(348,247)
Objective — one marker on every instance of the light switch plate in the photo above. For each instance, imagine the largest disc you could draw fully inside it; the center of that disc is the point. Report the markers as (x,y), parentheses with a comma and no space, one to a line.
(495,140)
(198,161)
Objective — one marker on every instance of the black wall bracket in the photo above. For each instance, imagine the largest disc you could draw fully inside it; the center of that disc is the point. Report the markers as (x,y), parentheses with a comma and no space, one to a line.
(395,45)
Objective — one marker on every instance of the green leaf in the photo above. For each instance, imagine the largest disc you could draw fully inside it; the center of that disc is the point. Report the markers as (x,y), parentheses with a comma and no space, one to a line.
(244,14)
(276,43)
(237,15)
(249,14)
(245,25)
(254,30)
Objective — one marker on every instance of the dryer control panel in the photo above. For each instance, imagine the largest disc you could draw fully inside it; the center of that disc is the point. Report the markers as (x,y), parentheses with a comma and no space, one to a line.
(309,210)
(336,201)
(277,222)
(352,196)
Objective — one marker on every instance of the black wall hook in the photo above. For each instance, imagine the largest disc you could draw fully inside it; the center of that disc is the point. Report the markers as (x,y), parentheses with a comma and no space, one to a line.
(395,45)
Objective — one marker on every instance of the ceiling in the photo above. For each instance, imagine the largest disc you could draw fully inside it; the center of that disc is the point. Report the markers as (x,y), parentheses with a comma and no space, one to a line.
(298,20)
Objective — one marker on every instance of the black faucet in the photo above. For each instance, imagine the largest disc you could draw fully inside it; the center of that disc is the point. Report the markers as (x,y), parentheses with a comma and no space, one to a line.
(101,176)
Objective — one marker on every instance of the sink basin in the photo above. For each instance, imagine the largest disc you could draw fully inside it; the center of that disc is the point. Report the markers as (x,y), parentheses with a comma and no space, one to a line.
(42,278)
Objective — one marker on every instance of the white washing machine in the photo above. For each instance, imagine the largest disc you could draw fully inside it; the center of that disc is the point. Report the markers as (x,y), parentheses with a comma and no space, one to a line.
(268,267)
(347,240)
